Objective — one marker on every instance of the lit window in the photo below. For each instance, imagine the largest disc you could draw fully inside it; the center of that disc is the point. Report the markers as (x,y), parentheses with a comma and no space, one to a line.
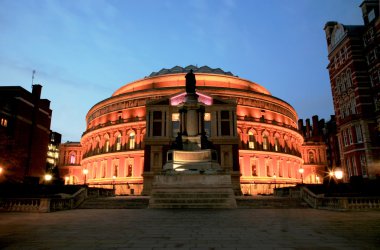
(311,157)
(4,122)
(276,144)
(175,124)
(265,142)
(207,121)
(118,142)
(132,140)
(107,145)
(72,158)
(251,140)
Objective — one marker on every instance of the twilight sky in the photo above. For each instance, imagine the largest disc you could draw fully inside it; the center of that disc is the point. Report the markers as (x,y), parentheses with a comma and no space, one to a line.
(83,50)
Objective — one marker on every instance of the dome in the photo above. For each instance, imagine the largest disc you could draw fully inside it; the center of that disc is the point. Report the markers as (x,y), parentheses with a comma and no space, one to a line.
(206,76)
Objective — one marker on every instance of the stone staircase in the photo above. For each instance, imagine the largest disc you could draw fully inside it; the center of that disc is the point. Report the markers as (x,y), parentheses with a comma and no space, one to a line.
(118,202)
(192,198)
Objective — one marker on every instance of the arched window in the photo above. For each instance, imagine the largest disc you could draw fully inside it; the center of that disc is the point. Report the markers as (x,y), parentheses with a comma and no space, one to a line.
(251,140)
(311,157)
(107,144)
(276,144)
(118,142)
(265,142)
(72,158)
(132,140)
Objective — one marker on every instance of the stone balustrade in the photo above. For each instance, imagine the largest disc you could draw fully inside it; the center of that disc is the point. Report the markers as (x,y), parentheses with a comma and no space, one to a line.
(43,205)
(339,203)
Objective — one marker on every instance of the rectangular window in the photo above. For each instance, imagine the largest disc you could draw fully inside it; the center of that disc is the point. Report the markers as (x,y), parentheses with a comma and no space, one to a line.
(359,137)
(349,171)
(175,124)
(355,171)
(157,123)
(225,122)
(353,106)
(350,136)
(207,120)
(345,138)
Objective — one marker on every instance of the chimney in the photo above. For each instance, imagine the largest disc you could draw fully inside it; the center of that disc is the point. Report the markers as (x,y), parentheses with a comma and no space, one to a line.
(36,91)
(315,125)
(300,127)
(308,128)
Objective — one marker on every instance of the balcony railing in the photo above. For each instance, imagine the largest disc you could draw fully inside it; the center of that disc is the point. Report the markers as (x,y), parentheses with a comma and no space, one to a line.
(266,121)
(112,123)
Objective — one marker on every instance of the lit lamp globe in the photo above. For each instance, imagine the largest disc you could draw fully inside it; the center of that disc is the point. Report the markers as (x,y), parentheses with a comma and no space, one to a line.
(338,174)
(48,177)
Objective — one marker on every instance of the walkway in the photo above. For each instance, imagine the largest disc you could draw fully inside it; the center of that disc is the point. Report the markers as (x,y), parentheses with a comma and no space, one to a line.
(191,229)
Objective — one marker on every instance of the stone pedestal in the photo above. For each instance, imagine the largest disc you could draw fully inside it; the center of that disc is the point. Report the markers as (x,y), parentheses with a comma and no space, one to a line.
(186,190)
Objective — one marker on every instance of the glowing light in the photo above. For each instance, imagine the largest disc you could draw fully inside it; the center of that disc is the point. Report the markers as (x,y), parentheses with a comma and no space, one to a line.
(175,100)
(48,177)
(338,174)
(85,171)
(114,177)
(1,170)
(301,170)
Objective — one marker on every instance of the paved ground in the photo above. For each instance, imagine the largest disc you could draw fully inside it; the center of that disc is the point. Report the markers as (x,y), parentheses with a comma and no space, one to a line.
(191,229)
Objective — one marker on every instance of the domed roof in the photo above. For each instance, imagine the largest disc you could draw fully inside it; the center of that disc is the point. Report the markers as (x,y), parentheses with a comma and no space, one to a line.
(206,77)
(179,69)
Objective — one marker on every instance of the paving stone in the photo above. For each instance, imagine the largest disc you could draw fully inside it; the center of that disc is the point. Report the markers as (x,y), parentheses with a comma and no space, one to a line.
(191,229)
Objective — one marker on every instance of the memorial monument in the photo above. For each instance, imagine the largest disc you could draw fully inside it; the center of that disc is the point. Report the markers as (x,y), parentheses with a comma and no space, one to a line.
(192,176)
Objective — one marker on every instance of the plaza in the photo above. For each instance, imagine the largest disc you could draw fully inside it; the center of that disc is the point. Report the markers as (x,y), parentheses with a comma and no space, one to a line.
(191,229)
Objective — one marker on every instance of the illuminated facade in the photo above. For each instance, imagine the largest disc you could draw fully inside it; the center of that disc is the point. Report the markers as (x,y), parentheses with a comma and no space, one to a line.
(270,146)
(354,69)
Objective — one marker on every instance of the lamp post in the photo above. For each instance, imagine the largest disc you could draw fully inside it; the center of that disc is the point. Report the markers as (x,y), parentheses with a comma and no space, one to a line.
(274,177)
(301,170)
(113,182)
(317,179)
(85,172)
(67,180)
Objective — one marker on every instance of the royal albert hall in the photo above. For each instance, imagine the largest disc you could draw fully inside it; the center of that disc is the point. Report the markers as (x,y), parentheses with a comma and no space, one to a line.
(271,149)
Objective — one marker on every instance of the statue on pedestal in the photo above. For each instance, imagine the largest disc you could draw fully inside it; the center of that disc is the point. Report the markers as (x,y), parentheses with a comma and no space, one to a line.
(190,82)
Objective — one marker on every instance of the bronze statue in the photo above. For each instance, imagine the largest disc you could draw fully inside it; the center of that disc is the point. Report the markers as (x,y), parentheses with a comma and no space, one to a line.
(190,82)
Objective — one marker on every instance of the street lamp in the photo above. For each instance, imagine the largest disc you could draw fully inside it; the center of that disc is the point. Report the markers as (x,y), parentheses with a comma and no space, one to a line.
(67,180)
(85,172)
(274,177)
(48,177)
(317,179)
(301,170)
(338,174)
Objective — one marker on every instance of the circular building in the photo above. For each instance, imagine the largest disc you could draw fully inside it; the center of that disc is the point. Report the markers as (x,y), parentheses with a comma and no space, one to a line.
(269,143)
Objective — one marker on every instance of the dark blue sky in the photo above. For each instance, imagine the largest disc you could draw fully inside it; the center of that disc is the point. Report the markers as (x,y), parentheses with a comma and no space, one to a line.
(83,51)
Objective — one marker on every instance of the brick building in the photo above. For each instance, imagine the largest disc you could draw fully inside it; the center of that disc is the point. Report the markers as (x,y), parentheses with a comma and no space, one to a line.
(354,68)
(24,133)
